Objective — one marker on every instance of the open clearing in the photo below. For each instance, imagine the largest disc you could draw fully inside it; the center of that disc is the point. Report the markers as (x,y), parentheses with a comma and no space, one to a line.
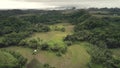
(75,57)
(54,35)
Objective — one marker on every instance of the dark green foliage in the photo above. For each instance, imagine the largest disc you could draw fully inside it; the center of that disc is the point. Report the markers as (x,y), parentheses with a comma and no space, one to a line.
(50,17)
(95,30)
(13,30)
(12,24)
(20,62)
(105,11)
(103,32)
(103,57)
(56,28)
(69,43)
(63,29)
(70,38)
(91,23)
(12,38)
(100,55)
(41,45)
(40,28)
(44,46)
(6,13)
(33,43)
(78,16)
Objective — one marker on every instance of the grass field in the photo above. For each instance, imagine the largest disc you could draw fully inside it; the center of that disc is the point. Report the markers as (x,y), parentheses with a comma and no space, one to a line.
(55,35)
(116,52)
(75,57)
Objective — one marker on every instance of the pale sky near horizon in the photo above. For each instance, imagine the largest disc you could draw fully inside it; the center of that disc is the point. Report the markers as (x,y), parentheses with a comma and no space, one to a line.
(43,4)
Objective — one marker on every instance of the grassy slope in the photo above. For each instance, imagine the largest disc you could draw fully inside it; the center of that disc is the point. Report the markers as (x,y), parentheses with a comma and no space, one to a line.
(76,56)
(7,58)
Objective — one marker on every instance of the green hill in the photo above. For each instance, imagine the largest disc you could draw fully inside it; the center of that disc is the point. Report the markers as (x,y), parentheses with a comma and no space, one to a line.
(6,59)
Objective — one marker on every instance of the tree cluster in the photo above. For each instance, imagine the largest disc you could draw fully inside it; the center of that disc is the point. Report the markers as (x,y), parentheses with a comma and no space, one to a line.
(19,63)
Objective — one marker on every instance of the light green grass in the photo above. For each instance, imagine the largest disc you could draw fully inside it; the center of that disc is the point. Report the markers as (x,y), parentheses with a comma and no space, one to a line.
(76,56)
(55,37)
(7,58)
(26,52)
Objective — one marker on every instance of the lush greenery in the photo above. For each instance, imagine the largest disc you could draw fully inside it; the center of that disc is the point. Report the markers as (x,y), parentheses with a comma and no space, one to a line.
(42,31)
(9,59)
(103,33)
(75,57)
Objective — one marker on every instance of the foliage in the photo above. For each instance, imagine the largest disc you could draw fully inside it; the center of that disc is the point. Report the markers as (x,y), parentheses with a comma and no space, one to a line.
(78,16)
(42,45)
(11,59)
(103,57)
(13,30)
(12,39)
(50,17)
(95,30)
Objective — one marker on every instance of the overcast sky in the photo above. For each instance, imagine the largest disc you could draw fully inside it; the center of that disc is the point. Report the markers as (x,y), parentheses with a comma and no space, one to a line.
(43,4)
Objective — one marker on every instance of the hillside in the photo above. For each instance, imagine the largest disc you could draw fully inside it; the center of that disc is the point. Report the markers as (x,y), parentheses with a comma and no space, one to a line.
(80,38)
(73,58)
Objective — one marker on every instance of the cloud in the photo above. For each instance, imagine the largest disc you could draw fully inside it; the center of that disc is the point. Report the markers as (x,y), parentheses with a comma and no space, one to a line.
(69,0)
(12,4)
(43,4)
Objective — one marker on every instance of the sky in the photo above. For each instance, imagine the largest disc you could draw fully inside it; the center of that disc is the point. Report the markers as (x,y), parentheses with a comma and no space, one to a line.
(44,4)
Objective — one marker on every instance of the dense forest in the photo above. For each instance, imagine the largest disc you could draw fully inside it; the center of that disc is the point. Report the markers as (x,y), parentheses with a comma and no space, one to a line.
(102,33)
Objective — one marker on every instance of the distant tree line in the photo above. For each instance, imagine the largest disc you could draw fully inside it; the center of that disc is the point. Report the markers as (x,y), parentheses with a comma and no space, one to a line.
(110,11)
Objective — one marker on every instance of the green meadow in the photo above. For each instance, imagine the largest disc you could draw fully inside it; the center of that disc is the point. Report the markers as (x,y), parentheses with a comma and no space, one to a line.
(75,57)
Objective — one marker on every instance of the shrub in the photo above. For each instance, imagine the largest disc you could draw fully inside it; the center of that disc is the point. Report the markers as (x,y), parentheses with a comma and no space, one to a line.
(69,43)
(44,46)
(63,29)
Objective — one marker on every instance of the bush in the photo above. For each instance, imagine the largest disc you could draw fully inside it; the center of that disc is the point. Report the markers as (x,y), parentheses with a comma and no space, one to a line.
(69,43)
(13,38)
(20,60)
(44,46)
(63,29)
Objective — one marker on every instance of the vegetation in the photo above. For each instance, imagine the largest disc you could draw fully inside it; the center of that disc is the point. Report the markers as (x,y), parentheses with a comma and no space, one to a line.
(75,57)
(79,38)
(36,64)
(11,59)
(103,33)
